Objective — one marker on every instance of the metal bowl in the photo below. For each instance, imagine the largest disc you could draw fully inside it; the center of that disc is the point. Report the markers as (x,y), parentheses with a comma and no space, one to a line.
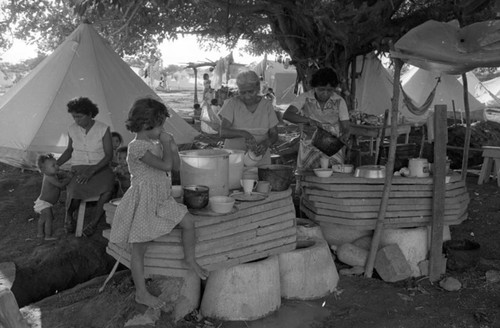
(370,171)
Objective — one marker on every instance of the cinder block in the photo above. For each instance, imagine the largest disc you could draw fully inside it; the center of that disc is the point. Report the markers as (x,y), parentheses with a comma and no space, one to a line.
(391,264)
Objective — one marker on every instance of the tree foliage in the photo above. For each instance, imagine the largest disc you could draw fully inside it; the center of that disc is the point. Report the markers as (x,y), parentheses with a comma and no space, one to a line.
(314,33)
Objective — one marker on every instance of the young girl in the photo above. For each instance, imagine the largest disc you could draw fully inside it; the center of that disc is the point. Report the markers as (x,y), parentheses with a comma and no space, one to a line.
(147,210)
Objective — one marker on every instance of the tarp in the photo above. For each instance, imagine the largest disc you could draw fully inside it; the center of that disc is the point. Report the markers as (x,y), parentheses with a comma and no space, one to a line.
(33,113)
(447,48)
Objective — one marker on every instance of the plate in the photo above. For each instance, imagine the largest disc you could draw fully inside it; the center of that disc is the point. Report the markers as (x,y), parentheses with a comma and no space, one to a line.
(207,211)
(252,197)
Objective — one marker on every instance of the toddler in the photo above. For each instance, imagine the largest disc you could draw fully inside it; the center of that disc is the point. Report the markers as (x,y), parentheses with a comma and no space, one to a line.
(51,190)
(121,170)
(117,141)
(148,210)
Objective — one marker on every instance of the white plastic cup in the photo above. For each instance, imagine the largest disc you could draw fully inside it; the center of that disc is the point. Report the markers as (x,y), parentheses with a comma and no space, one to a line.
(324,162)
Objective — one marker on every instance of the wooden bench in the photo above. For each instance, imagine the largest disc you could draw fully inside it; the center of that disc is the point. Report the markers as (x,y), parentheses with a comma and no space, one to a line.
(491,164)
(81,215)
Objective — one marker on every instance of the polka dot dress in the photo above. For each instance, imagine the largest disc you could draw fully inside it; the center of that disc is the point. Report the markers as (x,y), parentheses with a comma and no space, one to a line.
(147,210)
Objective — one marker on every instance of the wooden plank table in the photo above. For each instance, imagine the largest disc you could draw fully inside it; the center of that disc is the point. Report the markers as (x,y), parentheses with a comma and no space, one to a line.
(255,230)
(354,202)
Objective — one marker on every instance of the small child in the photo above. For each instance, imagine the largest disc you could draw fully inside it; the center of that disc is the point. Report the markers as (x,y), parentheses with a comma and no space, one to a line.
(117,141)
(49,195)
(148,210)
(197,111)
(121,171)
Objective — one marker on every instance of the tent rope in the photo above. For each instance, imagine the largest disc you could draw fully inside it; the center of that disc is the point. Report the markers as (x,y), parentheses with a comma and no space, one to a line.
(414,109)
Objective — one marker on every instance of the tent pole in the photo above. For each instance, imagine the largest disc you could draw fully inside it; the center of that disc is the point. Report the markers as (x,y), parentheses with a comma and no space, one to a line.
(195,85)
(379,227)
(465,158)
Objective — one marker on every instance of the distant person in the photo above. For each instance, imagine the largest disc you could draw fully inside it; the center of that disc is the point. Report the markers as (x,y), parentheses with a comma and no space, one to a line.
(148,210)
(197,111)
(121,171)
(52,185)
(91,151)
(117,141)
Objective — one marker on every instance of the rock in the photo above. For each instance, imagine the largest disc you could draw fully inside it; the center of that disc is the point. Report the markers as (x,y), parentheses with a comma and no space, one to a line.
(450,284)
(492,276)
(352,255)
(354,271)
(148,318)
(364,242)
(391,264)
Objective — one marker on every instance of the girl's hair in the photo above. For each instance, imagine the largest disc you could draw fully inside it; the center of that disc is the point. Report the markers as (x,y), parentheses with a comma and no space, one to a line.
(323,77)
(248,78)
(117,135)
(40,161)
(206,76)
(82,105)
(146,114)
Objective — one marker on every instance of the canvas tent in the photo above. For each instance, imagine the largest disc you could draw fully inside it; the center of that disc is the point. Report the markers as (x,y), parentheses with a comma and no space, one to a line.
(280,79)
(480,91)
(33,113)
(418,84)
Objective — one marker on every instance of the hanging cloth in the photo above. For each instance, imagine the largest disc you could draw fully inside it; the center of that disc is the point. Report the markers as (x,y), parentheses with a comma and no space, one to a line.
(419,111)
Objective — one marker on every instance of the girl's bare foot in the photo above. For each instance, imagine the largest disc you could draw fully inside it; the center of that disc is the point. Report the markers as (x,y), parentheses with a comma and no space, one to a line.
(149,300)
(202,273)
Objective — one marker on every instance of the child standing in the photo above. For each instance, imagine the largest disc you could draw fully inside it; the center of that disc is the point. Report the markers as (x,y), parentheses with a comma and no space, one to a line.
(147,210)
(49,195)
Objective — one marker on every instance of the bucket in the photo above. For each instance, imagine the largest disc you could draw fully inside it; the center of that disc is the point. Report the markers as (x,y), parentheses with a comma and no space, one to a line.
(279,176)
(461,254)
(208,167)
(419,167)
(235,167)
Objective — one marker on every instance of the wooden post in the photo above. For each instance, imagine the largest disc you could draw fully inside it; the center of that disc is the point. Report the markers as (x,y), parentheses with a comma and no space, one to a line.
(195,85)
(438,196)
(398,63)
(465,158)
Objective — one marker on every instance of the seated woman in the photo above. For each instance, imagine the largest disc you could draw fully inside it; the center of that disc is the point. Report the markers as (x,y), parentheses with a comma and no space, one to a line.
(248,119)
(90,150)
(320,107)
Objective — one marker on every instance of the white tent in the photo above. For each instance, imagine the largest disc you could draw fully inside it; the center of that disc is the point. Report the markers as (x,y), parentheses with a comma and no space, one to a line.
(5,81)
(493,85)
(480,91)
(33,113)
(280,79)
(418,84)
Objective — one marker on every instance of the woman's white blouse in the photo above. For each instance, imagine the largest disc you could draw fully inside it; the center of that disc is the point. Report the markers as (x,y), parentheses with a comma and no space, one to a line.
(88,148)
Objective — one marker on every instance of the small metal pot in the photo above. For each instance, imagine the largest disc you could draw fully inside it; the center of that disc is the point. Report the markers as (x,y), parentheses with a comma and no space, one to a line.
(195,196)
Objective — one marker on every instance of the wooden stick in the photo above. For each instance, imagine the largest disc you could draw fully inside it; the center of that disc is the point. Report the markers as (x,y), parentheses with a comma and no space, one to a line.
(465,158)
(438,195)
(381,138)
(398,63)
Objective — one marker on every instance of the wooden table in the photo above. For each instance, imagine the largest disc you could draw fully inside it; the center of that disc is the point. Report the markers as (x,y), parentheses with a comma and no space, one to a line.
(254,231)
(354,202)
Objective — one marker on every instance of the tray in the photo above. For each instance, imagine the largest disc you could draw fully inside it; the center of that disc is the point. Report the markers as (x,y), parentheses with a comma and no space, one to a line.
(252,197)
(207,211)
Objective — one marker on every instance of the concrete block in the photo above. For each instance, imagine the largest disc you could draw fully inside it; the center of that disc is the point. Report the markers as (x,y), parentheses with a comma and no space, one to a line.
(391,264)
(247,291)
(412,242)
(308,272)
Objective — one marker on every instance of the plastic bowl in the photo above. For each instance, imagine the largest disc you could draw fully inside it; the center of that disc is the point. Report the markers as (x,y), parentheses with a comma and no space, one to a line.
(221,204)
(343,168)
(323,173)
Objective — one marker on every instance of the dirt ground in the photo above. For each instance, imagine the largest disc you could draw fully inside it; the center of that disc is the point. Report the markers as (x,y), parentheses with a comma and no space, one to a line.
(358,302)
